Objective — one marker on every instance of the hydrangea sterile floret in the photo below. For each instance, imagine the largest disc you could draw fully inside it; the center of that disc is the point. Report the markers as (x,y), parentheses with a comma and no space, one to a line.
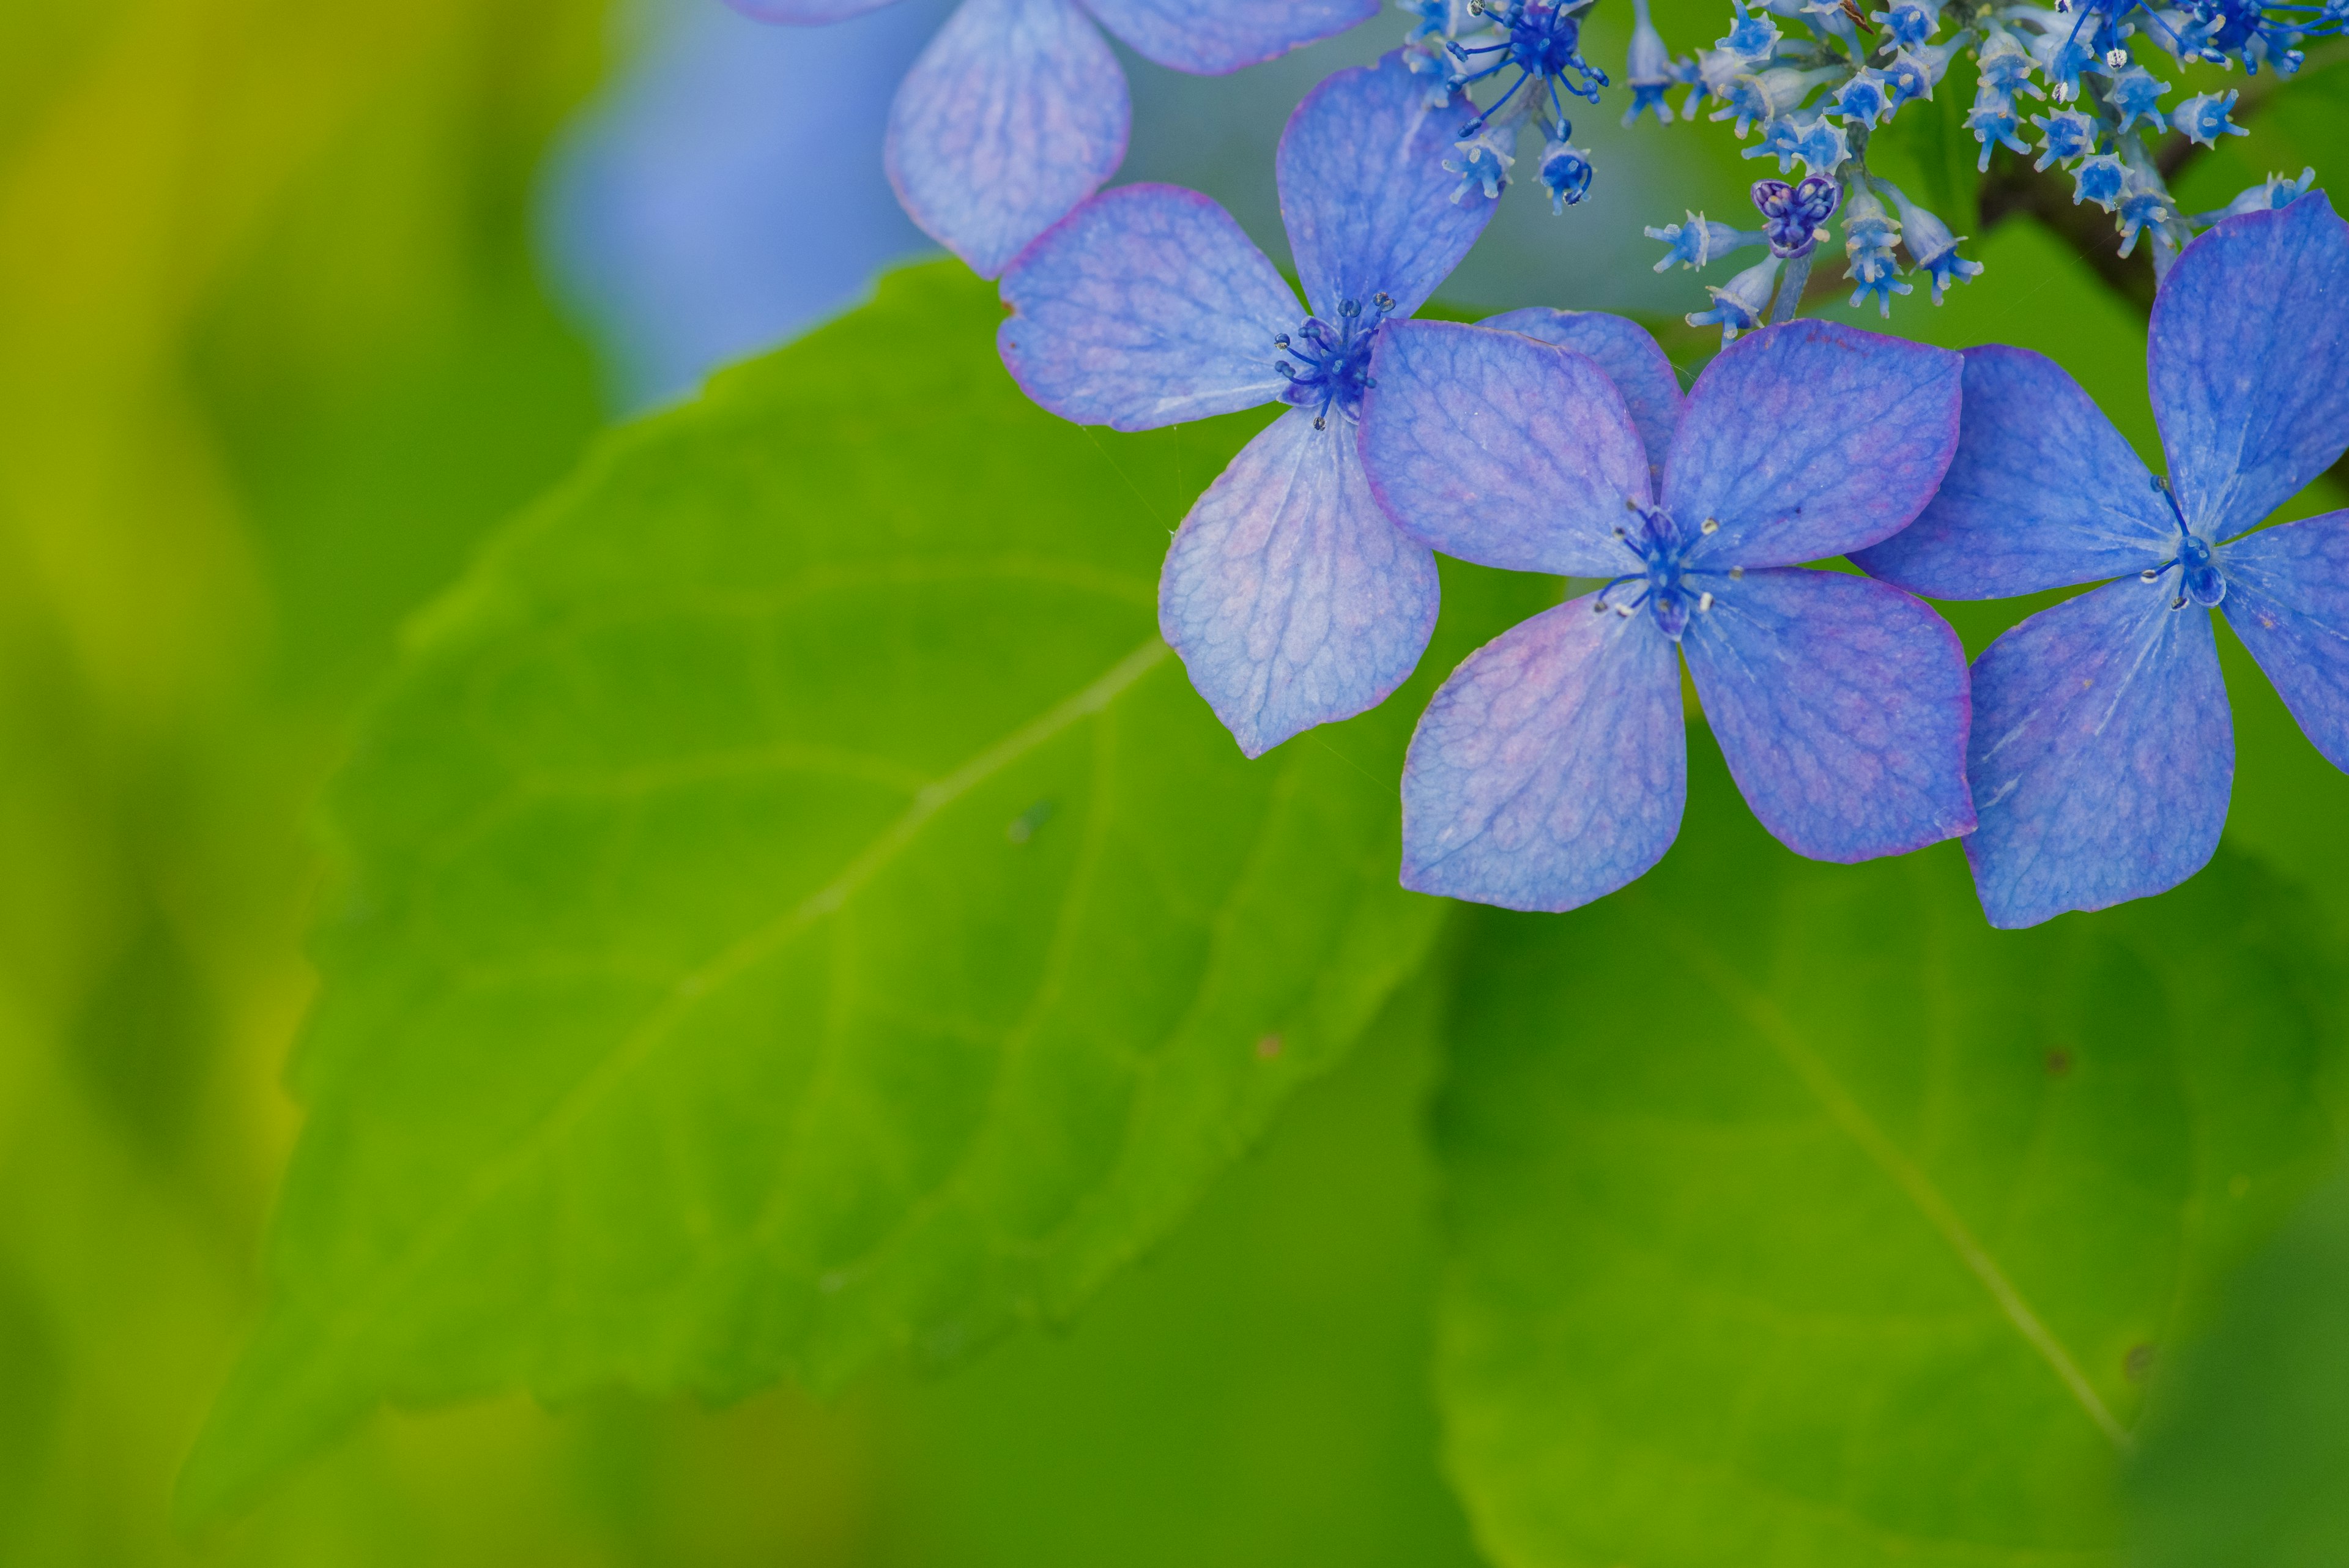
(1550,769)
(1291,598)
(2103,750)
(1017,109)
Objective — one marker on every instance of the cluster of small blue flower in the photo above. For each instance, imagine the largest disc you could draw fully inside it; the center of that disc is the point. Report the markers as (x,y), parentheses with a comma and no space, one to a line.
(1817,95)
(2086,756)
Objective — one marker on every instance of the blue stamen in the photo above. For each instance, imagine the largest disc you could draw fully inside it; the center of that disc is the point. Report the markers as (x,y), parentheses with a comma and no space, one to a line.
(1332,368)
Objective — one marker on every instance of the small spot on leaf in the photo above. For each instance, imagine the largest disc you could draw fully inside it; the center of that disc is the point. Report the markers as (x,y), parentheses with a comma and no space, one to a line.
(1268,1047)
(1023,826)
(2137,1363)
(2058,1063)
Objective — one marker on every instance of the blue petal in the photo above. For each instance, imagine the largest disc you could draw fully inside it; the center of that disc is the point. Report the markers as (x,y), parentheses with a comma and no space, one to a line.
(2250,362)
(2102,754)
(1144,306)
(1809,439)
(1014,113)
(1363,190)
(1291,598)
(1840,705)
(1500,450)
(1624,349)
(1551,768)
(2288,599)
(1209,37)
(2044,493)
(806,12)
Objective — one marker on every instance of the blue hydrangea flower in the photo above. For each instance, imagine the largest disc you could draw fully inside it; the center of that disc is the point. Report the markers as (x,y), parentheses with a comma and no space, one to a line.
(1649,70)
(2068,134)
(1551,768)
(1932,248)
(1291,598)
(1566,175)
(1018,110)
(1764,96)
(1793,217)
(1740,304)
(1870,232)
(2103,750)
(1866,98)
(2144,203)
(2275,191)
(2132,95)
(1807,136)
(2204,117)
(2101,178)
(1995,122)
(1698,240)
(1914,72)
(1909,23)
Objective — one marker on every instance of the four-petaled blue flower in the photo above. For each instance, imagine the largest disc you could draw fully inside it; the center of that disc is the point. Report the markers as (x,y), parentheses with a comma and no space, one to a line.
(1291,598)
(2103,751)
(1018,110)
(1550,769)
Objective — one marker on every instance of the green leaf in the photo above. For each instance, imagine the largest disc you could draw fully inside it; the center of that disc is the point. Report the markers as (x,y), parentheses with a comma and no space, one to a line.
(1799,1218)
(800,908)
(2248,1436)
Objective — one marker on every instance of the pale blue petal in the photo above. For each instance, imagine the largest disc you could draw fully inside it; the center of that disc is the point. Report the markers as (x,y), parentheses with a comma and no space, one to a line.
(2102,754)
(1551,768)
(1840,705)
(1500,450)
(1809,439)
(1144,306)
(1209,37)
(2250,362)
(2288,599)
(1014,113)
(806,12)
(1291,598)
(1625,350)
(1364,193)
(2044,493)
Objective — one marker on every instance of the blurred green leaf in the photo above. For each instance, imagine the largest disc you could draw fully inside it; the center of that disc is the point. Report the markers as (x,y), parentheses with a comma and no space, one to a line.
(1802,1218)
(801,909)
(2248,1441)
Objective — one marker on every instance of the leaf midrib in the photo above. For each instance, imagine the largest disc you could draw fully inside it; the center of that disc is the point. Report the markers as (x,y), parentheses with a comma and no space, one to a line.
(1763,1015)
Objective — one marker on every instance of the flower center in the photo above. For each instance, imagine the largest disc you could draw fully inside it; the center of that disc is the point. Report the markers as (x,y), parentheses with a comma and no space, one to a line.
(1329,367)
(1544,42)
(2196,562)
(1667,587)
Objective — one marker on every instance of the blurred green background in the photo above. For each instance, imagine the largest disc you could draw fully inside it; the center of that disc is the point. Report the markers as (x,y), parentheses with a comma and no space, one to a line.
(278,346)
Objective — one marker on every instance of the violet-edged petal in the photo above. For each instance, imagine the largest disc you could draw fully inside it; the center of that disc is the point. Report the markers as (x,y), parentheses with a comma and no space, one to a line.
(1551,769)
(1144,306)
(1809,439)
(2288,599)
(2044,492)
(1840,706)
(806,12)
(1014,113)
(1291,598)
(2102,754)
(1363,191)
(1500,450)
(1209,37)
(2249,363)
(1626,351)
